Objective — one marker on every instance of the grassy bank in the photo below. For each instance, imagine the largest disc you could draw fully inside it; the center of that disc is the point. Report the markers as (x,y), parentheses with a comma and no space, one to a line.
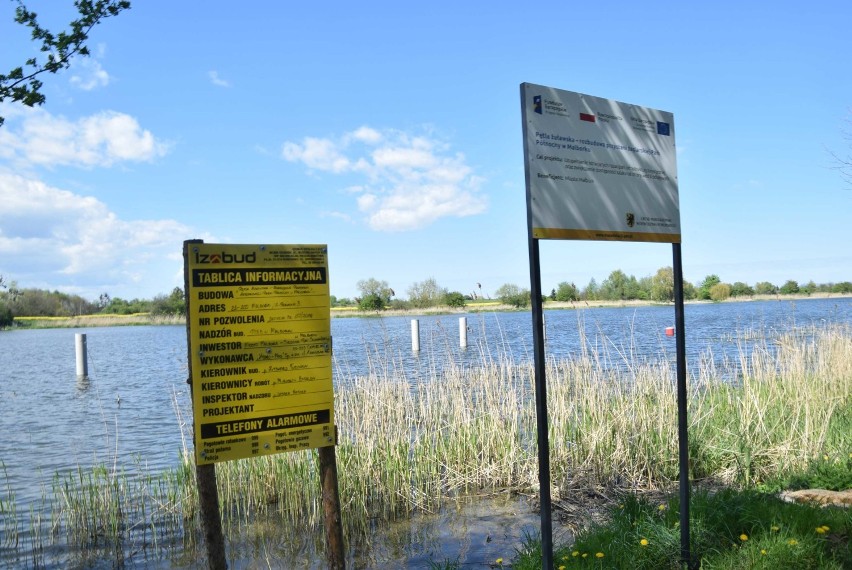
(84,321)
(406,447)
(730,529)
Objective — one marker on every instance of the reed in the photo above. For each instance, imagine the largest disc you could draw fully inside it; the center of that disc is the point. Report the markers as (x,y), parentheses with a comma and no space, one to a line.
(406,446)
(786,407)
(9,524)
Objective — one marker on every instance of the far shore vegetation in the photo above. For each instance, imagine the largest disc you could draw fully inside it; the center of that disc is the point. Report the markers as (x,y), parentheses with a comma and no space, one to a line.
(29,307)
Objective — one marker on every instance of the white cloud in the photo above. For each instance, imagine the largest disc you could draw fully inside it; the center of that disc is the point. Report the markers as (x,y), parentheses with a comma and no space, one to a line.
(402,158)
(366,135)
(337,215)
(216,80)
(77,239)
(102,139)
(409,181)
(318,154)
(88,74)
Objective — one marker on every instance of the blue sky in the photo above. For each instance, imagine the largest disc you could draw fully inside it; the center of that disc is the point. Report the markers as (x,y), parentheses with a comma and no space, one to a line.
(392,132)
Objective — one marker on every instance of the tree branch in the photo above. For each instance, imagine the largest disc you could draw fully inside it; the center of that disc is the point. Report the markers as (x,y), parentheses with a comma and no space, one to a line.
(25,88)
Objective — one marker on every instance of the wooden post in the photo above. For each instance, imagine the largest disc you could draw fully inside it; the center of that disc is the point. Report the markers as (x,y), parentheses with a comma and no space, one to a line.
(415,335)
(331,508)
(205,475)
(82,355)
(463,332)
(211,521)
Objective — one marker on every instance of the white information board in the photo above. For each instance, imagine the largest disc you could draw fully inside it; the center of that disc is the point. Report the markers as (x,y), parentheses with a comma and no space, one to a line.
(598,169)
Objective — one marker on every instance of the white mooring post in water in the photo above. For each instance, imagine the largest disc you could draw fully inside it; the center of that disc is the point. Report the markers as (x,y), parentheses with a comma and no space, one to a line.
(463,332)
(82,355)
(415,335)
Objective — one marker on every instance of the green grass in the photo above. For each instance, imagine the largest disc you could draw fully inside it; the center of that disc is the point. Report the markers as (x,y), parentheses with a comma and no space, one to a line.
(730,529)
(825,472)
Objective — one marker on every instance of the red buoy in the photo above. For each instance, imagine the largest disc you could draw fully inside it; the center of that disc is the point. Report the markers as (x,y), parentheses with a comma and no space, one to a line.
(669,331)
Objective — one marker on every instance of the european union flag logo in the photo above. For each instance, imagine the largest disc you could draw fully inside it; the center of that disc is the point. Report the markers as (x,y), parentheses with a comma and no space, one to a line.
(663,129)
(537,104)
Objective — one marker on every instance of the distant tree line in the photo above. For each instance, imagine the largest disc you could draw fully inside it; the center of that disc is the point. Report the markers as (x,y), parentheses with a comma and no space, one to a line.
(28,302)
(660,288)
(377,295)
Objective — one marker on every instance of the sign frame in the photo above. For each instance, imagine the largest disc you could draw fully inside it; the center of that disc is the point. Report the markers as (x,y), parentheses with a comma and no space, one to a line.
(259,341)
(598,169)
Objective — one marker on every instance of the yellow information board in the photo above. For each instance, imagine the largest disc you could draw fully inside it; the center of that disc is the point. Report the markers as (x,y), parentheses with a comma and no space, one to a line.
(259,322)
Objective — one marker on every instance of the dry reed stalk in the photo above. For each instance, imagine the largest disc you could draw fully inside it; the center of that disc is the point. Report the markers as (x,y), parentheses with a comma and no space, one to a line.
(406,447)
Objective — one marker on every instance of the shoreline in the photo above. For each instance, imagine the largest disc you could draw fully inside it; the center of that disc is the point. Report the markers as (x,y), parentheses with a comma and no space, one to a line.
(496,306)
(145,319)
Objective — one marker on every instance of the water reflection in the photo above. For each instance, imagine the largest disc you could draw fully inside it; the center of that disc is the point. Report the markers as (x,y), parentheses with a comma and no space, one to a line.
(473,531)
(83,385)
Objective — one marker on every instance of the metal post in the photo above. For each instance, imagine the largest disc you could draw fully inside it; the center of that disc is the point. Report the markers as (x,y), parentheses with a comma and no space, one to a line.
(463,332)
(682,424)
(82,355)
(541,408)
(415,335)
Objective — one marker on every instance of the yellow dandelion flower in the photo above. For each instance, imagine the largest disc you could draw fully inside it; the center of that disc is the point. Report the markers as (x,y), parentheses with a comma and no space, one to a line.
(774,528)
(763,551)
(662,507)
(599,555)
(644,542)
(792,542)
(585,554)
(825,527)
(825,457)
(576,553)
(744,537)
(499,561)
(820,530)
(562,567)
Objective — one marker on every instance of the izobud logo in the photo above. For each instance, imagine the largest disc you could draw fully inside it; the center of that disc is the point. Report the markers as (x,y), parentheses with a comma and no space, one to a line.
(225,257)
(537,104)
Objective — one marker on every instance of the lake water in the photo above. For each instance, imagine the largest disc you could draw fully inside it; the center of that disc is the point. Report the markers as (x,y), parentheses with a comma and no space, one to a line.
(130,408)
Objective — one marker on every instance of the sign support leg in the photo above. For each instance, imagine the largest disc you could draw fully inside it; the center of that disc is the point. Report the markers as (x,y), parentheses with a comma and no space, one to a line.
(331,508)
(205,475)
(682,424)
(541,408)
(211,520)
